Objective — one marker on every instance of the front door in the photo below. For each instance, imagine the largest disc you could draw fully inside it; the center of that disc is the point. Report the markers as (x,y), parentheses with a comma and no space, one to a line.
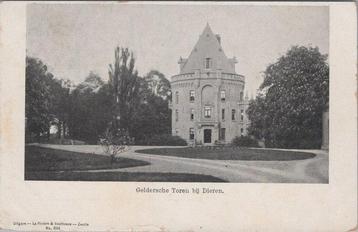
(207,135)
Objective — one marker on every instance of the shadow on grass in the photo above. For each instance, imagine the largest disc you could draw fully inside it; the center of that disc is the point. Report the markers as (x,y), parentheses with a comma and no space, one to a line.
(229,153)
(51,164)
(47,159)
(121,176)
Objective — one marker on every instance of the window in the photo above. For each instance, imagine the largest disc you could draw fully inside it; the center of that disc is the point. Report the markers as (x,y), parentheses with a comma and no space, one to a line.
(192,114)
(233,115)
(176,131)
(241,96)
(222,134)
(222,95)
(207,112)
(242,131)
(191,133)
(207,63)
(176,97)
(176,115)
(242,115)
(192,95)
(223,114)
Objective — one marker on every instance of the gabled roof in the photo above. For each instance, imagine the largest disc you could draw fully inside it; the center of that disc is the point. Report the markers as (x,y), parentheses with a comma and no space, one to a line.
(208,46)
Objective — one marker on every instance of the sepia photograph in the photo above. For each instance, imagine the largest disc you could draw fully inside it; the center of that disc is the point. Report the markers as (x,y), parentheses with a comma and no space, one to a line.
(177,93)
(178,116)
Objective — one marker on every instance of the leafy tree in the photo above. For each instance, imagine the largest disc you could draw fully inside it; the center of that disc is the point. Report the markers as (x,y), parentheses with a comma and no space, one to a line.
(60,105)
(152,118)
(288,109)
(127,103)
(93,83)
(38,98)
(90,111)
(158,84)
(152,114)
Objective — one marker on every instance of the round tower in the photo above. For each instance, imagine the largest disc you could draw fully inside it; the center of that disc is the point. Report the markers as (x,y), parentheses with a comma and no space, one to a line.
(208,105)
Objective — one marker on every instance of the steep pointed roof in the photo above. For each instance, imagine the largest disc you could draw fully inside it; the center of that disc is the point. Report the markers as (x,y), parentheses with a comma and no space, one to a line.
(208,46)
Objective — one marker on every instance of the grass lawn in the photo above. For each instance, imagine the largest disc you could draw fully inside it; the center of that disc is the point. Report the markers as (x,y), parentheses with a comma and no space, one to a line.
(51,164)
(121,176)
(46,159)
(229,153)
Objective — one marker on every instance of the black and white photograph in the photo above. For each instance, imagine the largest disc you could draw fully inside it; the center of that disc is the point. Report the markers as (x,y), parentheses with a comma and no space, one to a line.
(177,93)
(131,116)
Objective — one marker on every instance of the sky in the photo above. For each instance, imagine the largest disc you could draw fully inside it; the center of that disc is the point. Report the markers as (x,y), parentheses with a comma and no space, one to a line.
(74,39)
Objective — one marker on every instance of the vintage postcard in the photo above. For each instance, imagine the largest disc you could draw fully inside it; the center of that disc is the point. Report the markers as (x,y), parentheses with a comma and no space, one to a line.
(178,116)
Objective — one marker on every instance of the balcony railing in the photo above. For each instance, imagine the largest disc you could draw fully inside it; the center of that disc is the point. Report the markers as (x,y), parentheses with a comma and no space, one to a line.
(182,76)
(232,76)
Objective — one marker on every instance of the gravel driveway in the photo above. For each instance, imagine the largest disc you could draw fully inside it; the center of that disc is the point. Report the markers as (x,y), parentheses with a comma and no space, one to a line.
(313,170)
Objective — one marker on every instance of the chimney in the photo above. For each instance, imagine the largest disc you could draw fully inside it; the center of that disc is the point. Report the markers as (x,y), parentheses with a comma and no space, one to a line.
(218,38)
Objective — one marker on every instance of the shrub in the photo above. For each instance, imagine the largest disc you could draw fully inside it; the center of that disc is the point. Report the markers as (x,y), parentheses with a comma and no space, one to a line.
(162,140)
(244,141)
(114,143)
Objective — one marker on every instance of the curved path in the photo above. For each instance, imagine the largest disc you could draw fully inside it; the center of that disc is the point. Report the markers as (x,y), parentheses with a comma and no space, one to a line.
(313,170)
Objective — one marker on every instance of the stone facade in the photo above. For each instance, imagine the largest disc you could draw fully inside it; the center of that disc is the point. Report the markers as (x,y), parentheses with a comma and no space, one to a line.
(208,103)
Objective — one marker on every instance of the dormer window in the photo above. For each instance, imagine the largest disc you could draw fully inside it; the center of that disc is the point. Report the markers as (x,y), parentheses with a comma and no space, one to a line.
(207,63)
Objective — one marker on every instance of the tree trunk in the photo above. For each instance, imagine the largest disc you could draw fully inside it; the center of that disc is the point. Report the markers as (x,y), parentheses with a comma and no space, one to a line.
(62,130)
(48,133)
(59,130)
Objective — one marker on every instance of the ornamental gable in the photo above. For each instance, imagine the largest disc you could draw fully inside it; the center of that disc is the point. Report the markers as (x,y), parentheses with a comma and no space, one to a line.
(207,55)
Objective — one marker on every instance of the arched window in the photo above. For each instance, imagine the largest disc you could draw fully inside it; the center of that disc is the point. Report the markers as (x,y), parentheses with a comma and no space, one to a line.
(177,97)
(208,95)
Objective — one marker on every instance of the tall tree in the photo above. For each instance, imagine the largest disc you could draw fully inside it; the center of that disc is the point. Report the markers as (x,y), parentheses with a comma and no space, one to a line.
(60,107)
(38,98)
(295,91)
(125,85)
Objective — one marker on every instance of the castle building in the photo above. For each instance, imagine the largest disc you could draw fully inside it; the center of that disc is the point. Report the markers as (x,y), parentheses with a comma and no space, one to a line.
(208,103)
